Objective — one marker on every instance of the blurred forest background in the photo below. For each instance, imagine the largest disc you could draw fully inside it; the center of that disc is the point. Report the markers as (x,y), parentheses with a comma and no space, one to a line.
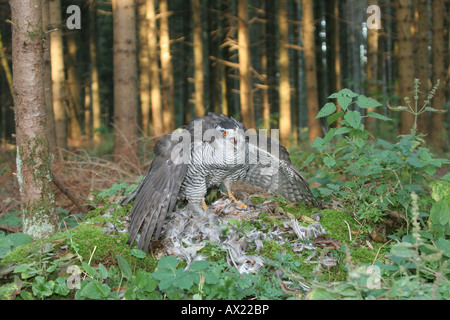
(145,67)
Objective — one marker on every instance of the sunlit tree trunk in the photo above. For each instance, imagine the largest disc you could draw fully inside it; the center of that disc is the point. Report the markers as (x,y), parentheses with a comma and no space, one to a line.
(144,67)
(155,91)
(285,88)
(245,76)
(94,87)
(166,69)
(47,78)
(437,127)
(405,60)
(33,156)
(315,128)
(125,79)
(58,85)
(199,80)
(73,89)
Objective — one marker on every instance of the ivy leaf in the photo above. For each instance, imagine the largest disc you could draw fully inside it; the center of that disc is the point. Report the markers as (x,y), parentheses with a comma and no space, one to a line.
(326,110)
(353,118)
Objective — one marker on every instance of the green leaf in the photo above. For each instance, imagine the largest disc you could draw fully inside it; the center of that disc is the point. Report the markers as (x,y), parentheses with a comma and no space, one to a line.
(440,212)
(331,119)
(124,267)
(102,271)
(319,144)
(168,263)
(89,270)
(61,286)
(19,239)
(435,110)
(42,288)
(199,265)
(308,160)
(402,250)
(444,245)
(377,116)
(353,118)
(326,110)
(94,290)
(342,130)
(366,103)
(138,253)
(329,162)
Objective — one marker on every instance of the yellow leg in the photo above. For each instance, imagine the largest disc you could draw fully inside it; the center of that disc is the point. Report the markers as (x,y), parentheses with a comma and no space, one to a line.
(205,207)
(230,195)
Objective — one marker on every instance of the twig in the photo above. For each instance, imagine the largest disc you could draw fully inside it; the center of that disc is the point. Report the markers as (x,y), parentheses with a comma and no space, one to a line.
(10,228)
(69,195)
(376,256)
(349,231)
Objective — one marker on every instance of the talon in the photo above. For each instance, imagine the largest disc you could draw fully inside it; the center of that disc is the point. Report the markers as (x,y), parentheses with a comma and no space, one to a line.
(230,195)
(205,207)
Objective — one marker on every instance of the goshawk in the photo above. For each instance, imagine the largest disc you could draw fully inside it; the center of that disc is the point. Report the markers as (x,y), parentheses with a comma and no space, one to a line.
(211,151)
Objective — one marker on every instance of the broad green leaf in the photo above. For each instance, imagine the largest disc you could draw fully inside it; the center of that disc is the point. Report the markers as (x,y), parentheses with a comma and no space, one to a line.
(353,118)
(366,103)
(440,212)
(326,110)
(138,253)
(377,116)
(124,266)
(402,250)
(168,263)
(329,162)
(331,119)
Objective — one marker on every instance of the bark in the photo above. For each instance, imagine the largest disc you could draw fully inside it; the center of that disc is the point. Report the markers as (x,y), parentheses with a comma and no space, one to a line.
(73,89)
(199,81)
(285,88)
(144,67)
(33,156)
(58,80)
(47,78)
(405,60)
(166,69)
(437,127)
(125,79)
(94,87)
(264,70)
(155,91)
(312,101)
(372,68)
(245,76)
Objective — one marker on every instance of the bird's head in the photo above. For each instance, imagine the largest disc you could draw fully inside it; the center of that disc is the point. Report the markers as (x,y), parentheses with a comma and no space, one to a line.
(230,131)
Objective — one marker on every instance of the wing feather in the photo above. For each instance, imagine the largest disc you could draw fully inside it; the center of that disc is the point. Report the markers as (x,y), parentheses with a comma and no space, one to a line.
(156,195)
(272,169)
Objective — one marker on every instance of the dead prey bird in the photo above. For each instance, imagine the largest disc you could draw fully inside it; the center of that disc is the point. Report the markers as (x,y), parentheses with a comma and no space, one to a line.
(211,151)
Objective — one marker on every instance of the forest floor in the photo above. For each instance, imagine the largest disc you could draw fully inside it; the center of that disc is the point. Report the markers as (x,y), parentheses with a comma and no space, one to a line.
(264,243)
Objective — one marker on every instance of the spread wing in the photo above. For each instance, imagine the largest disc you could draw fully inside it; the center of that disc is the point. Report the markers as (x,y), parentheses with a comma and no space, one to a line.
(272,169)
(157,194)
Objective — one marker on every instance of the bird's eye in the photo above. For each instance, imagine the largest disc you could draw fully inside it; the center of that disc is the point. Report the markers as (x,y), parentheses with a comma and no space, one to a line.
(224,132)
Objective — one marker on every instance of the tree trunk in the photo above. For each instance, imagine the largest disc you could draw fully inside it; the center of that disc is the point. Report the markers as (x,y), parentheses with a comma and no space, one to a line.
(144,67)
(47,78)
(285,88)
(58,81)
(155,91)
(437,127)
(405,60)
(423,61)
(199,81)
(264,73)
(73,89)
(125,79)
(315,128)
(33,156)
(95,88)
(166,69)
(186,60)
(372,68)
(245,76)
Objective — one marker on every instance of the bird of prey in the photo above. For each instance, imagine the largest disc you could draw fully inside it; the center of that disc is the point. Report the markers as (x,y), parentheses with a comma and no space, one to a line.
(210,151)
